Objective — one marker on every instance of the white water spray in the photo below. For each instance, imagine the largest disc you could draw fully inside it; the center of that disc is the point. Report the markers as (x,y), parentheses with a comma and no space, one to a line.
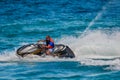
(96,44)
(95,19)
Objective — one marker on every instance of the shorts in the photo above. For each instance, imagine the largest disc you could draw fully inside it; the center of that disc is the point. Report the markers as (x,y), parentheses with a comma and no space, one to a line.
(51,50)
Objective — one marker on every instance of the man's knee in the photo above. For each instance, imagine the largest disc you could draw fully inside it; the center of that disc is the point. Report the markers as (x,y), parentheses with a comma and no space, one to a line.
(47,52)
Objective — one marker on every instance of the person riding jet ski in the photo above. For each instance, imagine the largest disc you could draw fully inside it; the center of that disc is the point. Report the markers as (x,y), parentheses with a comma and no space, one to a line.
(49,48)
(49,45)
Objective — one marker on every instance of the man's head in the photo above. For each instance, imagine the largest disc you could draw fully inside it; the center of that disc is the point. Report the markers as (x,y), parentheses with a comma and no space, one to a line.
(47,37)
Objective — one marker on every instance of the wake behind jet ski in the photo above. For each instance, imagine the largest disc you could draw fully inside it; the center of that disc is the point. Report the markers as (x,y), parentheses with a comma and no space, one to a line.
(59,50)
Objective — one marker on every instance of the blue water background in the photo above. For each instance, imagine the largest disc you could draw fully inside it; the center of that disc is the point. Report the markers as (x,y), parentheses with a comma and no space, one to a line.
(27,21)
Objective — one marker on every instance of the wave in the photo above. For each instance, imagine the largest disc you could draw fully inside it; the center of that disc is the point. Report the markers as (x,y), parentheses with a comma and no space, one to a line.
(111,64)
(108,64)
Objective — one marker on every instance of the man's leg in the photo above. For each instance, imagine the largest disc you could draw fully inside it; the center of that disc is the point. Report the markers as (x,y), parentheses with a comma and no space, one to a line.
(49,51)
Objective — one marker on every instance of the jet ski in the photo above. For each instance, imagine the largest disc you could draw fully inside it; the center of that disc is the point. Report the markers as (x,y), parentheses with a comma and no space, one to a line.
(60,50)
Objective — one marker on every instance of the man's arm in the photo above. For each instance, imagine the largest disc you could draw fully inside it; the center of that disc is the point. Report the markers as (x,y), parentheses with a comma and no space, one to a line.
(47,46)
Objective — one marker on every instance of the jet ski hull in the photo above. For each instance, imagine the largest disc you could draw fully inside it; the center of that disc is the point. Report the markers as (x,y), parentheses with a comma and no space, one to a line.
(60,51)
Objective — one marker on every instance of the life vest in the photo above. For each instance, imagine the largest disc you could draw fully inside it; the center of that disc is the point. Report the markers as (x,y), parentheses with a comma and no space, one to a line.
(50,43)
(51,40)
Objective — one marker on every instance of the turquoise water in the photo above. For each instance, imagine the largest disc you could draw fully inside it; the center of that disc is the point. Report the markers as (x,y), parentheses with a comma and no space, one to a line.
(91,28)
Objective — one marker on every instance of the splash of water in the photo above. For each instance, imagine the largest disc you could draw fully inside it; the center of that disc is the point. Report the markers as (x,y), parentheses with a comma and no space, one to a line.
(96,44)
(95,19)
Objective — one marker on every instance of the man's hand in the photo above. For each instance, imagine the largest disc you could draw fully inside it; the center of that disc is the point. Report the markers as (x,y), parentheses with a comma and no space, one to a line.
(43,45)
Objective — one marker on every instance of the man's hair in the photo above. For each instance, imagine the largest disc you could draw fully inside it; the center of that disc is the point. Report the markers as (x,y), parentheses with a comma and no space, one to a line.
(47,37)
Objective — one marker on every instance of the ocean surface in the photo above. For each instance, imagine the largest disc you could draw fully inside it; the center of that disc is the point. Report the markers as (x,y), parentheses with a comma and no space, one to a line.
(91,28)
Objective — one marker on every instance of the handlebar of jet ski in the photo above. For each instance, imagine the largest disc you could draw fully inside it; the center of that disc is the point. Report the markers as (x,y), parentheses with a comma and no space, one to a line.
(39,42)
